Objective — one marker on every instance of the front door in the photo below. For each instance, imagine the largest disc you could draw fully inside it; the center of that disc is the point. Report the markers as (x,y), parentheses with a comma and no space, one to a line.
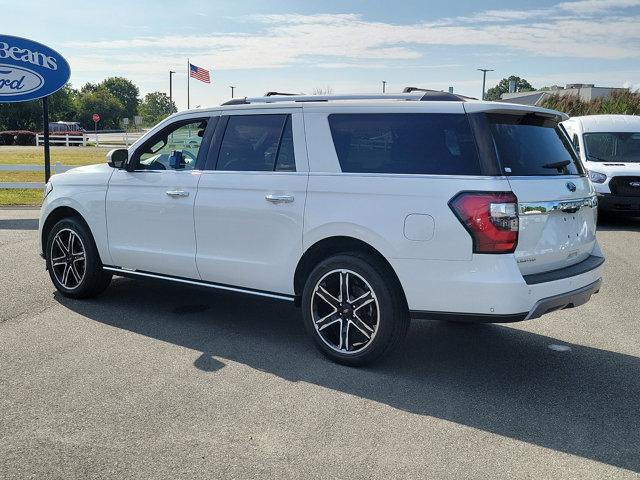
(150,205)
(250,205)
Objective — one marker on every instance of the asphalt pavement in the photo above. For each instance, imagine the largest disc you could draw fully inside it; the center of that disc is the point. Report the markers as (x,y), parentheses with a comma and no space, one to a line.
(154,380)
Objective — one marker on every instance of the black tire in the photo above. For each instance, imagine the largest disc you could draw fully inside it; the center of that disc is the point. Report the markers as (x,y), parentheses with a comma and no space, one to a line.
(94,280)
(366,272)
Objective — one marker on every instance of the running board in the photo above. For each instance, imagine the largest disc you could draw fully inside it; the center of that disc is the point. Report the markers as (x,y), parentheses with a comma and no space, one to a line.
(125,272)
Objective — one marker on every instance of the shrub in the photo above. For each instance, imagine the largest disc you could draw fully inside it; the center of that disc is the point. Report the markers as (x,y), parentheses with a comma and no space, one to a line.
(6,138)
(25,137)
(620,102)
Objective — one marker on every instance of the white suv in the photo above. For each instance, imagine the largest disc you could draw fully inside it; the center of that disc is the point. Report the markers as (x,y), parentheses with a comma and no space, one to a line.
(364,210)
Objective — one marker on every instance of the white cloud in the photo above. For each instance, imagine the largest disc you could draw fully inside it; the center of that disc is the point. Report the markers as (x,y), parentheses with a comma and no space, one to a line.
(596,6)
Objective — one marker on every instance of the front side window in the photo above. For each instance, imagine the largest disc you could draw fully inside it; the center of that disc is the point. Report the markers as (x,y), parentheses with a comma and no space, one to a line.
(613,147)
(409,143)
(258,143)
(532,145)
(174,148)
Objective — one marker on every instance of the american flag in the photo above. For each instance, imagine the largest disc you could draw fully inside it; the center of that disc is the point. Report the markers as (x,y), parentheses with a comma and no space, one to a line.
(199,73)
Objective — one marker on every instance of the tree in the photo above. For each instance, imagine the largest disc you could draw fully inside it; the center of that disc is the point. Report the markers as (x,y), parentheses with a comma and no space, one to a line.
(155,107)
(503,87)
(102,102)
(125,91)
(28,115)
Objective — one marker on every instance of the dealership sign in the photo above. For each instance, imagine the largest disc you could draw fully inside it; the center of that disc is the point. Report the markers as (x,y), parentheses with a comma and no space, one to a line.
(29,70)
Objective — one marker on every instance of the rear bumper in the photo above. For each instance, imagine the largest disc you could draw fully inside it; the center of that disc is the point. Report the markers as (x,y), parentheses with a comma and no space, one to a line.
(570,299)
(610,202)
(491,288)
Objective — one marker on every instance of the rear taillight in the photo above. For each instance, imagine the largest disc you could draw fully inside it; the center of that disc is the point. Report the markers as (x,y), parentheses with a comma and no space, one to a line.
(490,217)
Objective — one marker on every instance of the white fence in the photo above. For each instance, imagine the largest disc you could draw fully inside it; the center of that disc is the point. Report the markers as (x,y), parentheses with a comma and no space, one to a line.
(63,140)
(55,168)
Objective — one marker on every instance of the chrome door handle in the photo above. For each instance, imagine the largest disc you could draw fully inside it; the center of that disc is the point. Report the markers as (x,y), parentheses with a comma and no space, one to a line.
(273,198)
(177,193)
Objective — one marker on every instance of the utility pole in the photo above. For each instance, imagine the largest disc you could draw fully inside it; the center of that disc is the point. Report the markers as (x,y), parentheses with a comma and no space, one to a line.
(232,89)
(484,78)
(384,86)
(171,72)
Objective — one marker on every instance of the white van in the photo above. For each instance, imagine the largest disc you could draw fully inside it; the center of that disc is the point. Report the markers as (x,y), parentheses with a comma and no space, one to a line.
(609,146)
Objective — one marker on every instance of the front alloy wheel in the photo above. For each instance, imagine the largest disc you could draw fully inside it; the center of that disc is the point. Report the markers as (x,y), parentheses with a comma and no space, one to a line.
(68,258)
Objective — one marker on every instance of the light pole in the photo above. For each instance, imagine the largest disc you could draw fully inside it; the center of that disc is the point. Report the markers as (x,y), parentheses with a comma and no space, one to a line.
(484,78)
(384,86)
(171,72)
(232,89)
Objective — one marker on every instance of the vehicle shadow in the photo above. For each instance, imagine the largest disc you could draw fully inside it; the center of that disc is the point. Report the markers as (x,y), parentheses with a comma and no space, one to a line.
(612,223)
(19,224)
(496,378)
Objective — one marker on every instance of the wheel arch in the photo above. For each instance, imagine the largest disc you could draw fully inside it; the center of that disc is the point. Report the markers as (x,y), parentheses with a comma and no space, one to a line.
(54,217)
(332,246)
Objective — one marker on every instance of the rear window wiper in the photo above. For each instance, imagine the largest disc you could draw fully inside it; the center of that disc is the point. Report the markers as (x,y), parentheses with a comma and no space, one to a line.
(557,165)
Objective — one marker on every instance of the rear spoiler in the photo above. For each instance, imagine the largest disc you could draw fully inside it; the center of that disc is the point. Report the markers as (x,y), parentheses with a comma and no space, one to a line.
(514,108)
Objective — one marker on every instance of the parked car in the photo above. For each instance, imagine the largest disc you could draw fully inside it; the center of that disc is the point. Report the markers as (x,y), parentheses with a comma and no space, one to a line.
(62,128)
(366,211)
(609,146)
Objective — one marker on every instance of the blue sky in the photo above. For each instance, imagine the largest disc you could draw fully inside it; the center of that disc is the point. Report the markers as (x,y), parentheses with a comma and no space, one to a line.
(349,45)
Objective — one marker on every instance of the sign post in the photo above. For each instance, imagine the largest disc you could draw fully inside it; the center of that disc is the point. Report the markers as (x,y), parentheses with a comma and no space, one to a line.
(96,119)
(45,122)
(29,71)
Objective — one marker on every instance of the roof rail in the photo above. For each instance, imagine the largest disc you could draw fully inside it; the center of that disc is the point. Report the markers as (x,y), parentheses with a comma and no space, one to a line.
(327,98)
(273,94)
(436,95)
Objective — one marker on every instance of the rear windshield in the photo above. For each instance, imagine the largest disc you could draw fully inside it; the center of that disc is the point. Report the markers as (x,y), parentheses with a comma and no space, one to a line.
(532,145)
(410,143)
(612,147)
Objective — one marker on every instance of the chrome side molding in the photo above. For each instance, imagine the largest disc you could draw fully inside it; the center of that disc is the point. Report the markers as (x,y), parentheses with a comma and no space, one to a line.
(128,272)
(545,208)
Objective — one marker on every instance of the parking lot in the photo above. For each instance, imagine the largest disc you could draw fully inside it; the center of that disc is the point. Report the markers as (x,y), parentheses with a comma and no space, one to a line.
(155,380)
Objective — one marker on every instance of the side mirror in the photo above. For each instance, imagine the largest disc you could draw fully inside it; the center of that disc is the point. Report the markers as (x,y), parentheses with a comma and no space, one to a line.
(117,158)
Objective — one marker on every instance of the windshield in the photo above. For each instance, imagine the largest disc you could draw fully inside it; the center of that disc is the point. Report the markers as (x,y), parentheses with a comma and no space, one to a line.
(613,147)
(531,145)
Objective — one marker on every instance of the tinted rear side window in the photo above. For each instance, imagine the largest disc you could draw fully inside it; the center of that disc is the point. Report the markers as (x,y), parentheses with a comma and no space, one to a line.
(413,143)
(531,145)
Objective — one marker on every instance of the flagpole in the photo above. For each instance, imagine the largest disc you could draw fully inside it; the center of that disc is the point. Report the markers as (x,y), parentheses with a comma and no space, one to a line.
(188,77)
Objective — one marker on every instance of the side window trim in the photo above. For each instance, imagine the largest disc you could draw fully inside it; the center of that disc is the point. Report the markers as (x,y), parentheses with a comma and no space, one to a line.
(282,130)
(205,145)
(216,142)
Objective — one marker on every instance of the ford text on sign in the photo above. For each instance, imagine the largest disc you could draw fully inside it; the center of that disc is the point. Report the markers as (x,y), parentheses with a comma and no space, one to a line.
(29,70)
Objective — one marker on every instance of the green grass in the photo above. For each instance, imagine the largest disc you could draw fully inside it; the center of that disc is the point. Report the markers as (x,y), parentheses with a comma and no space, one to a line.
(18,176)
(72,156)
(65,155)
(20,197)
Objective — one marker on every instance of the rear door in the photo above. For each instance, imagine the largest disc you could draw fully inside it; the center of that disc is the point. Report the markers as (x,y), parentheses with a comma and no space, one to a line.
(555,198)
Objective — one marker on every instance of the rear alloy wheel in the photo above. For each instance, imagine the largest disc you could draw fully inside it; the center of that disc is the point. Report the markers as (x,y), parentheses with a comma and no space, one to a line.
(73,261)
(352,312)
(345,311)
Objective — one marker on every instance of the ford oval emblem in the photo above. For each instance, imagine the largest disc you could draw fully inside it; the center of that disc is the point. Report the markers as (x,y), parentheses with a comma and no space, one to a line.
(29,70)
(571,186)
